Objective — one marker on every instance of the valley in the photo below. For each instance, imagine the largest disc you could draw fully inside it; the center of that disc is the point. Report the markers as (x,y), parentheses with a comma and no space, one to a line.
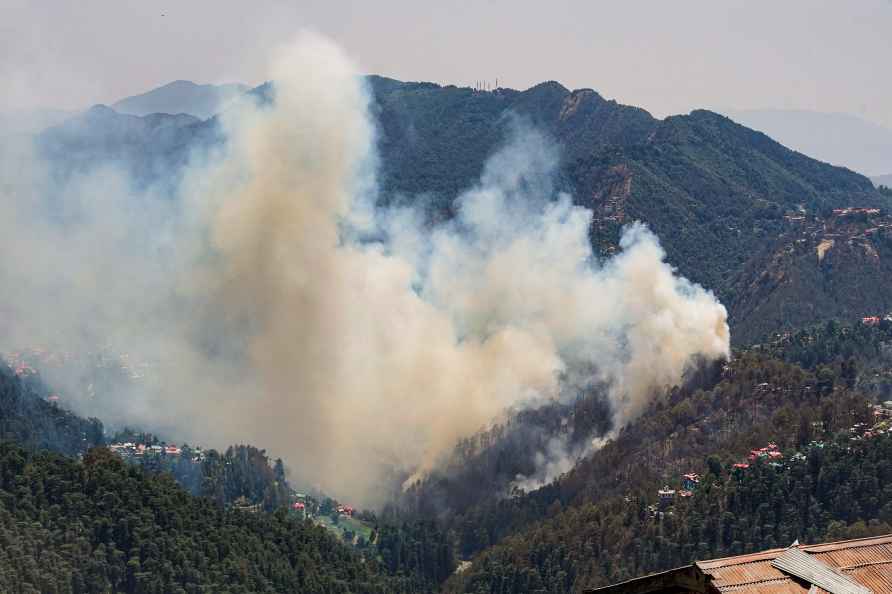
(341,332)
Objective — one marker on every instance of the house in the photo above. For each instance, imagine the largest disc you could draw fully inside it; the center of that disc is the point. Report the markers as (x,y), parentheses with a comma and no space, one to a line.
(882,412)
(870,320)
(242,504)
(690,481)
(861,566)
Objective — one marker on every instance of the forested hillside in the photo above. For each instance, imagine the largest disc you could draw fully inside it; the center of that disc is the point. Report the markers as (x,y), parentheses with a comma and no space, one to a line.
(103,526)
(605,521)
(828,491)
(833,267)
(400,555)
(29,417)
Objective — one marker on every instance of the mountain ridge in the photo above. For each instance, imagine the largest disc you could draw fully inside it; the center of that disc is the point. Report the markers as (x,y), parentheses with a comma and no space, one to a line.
(181,96)
(714,191)
(842,139)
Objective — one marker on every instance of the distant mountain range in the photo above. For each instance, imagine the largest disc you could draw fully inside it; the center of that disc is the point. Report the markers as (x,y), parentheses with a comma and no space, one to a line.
(837,138)
(182,96)
(719,195)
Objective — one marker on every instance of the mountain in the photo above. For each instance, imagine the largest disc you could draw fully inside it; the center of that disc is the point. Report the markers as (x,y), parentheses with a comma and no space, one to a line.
(838,138)
(882,180)
(714,191)
(181,96)
(151,148)
(786,241)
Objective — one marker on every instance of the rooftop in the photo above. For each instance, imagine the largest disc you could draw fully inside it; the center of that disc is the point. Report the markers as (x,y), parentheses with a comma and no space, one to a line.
(860,566)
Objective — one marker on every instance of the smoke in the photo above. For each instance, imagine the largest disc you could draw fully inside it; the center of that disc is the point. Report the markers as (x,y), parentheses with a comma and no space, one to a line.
(280,307)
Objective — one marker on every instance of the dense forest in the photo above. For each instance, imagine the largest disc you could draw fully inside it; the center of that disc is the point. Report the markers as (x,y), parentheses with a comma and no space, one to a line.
(30,418)
(105,526)
(831,490)
(604,519)
(240,472)
(169,494)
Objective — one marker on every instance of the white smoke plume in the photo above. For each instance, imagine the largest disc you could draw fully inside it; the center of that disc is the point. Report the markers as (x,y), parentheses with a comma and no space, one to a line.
(270,323)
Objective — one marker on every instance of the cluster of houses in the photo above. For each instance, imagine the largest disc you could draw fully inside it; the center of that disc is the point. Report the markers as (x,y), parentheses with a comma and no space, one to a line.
(689,483)
(882,412)
(129,450)
(20,362)
(875,320)
(769,452)
(842,226)
(27,362)
(307,506)
(851,210)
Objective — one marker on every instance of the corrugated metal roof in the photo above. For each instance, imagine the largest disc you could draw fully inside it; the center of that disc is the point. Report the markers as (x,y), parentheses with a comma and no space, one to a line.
(743,573)
(867,561)
(806,567)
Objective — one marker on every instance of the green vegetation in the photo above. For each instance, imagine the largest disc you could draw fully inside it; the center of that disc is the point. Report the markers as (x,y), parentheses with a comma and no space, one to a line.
(715,192)
(240,471)
(27,417)
(105,526)
(735,211)
(602,521)
(834,492)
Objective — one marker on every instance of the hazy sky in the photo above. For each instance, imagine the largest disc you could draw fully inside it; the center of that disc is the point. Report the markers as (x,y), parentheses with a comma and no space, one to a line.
(668,56)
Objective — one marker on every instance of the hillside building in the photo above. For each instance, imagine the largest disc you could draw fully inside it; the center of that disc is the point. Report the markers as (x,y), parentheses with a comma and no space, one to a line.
(690,481)
(666,494)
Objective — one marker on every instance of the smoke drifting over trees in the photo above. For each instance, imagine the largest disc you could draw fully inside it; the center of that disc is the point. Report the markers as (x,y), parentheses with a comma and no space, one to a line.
(283,308)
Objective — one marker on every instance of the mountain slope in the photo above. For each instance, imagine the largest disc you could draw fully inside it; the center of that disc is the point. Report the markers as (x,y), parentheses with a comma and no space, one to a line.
(604,521)
(834,267)
(838,138)
(103,526)
(30,416)
(715,192)
(150,149)
(181,96)
(712,190)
